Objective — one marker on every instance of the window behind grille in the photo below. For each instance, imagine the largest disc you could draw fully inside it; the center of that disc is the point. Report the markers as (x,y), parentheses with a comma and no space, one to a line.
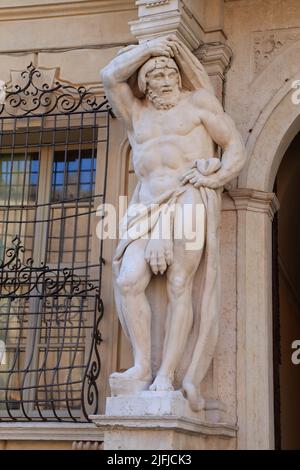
(52,179)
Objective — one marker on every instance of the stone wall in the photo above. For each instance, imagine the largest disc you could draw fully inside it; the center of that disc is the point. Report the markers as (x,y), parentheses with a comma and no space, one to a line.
(263,36)
(77,36)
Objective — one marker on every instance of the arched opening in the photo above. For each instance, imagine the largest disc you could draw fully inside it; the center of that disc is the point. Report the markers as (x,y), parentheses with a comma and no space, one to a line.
(268,142)
(286,299)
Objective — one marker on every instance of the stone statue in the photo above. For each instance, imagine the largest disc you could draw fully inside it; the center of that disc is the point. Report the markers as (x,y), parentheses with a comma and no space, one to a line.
(174,123)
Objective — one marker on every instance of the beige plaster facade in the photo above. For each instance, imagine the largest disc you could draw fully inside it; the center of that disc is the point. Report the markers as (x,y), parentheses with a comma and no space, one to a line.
(250,49)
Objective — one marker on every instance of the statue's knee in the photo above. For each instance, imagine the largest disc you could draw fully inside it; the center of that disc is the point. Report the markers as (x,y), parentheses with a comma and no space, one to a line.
(126,284)
(178,285)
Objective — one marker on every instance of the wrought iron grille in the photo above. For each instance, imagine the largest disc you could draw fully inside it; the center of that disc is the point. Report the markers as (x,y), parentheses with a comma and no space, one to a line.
(53,167)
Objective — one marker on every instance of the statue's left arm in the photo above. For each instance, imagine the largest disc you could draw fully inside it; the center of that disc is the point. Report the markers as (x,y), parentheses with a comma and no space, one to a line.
(223,132)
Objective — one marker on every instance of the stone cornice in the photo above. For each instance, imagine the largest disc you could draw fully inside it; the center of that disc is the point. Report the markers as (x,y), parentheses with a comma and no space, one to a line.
(50,432)
(255,201)
(216,58)
(152,3)
(50,10)
(159,423)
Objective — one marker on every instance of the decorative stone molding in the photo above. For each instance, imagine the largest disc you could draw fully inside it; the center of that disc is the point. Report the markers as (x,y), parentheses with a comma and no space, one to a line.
(88,445)
(216,58)
(158,423)
(269,44)
(152,3)
(85,432)
(162,17)
(71,8)
(255,201)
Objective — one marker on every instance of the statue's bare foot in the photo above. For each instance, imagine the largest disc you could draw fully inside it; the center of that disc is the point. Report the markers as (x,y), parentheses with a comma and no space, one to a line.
(194,397)
(162,383)
(134,373)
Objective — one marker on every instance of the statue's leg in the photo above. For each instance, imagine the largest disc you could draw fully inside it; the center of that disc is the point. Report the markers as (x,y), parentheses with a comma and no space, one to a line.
(130,288)
(180,277)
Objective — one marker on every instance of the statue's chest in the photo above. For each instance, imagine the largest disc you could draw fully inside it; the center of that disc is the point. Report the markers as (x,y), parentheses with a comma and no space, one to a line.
(153,125)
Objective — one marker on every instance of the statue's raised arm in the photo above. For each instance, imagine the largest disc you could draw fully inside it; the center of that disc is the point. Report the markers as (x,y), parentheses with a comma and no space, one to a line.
(116,75)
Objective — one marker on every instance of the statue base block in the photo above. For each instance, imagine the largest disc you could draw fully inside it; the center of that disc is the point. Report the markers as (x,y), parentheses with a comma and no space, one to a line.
(123,386)
(162,421)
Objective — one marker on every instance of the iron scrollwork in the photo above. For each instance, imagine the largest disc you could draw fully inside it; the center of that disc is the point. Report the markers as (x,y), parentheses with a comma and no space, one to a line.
(90,392)
(21,279)
(63,297)
(33,97)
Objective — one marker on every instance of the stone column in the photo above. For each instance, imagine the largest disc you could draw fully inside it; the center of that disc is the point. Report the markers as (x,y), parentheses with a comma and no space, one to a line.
(255,211)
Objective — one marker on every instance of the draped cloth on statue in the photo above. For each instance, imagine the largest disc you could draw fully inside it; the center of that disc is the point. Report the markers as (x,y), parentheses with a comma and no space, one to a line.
(206,303)
(203,338)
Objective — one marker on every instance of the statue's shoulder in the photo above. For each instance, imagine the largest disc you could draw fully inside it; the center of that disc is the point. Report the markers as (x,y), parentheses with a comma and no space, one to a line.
(203,95)
(206,99)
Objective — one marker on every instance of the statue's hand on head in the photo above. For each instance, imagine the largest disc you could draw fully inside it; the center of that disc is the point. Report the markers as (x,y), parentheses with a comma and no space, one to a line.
(167,46)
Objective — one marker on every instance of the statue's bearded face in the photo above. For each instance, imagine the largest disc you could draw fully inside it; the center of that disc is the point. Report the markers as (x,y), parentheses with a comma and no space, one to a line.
(162,87)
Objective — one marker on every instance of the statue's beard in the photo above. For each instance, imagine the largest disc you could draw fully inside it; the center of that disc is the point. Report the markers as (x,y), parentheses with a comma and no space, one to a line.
(162,100)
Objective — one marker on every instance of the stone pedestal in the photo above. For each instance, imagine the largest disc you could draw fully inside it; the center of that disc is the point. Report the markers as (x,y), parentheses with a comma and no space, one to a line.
(162,421)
